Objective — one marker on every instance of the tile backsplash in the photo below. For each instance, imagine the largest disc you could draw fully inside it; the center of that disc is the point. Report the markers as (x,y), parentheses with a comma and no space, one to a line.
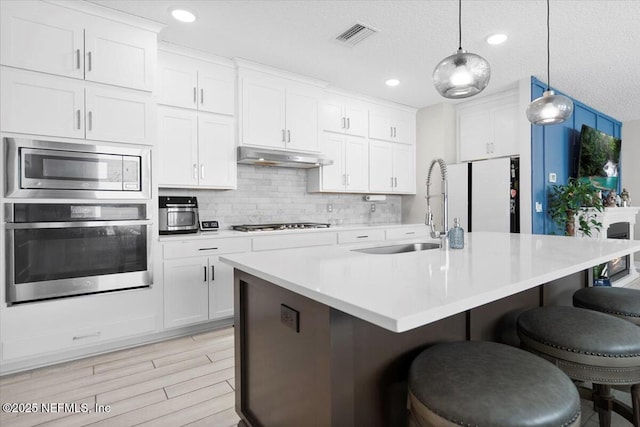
(273,194)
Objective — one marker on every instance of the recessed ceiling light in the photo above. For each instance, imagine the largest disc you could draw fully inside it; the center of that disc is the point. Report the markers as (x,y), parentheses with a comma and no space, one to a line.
(392,82)
(498,38)
(182,15)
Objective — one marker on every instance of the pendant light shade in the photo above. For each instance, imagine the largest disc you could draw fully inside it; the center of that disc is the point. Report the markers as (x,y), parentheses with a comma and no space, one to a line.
(462,74)
(549,109)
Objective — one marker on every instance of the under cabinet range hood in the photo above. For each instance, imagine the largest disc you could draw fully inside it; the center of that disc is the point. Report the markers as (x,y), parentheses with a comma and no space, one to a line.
(284,159)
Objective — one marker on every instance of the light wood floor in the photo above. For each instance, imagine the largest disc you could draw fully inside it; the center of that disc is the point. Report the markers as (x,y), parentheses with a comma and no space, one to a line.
(186,381)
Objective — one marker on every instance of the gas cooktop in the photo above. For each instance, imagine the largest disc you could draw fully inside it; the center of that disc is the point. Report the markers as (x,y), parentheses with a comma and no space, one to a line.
(281,226)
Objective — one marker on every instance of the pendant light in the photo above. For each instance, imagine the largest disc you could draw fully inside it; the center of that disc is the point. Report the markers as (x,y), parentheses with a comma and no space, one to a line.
(462,74)
(550,108)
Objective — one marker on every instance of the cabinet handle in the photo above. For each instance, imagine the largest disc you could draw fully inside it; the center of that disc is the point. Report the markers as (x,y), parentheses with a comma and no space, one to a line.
(344,123)
(207,249)
(89,65)
(205,274)
(283,136)
(82,337)
(78,59)
(195,95)
(391,182)
(348,123)
(395,181)
(344,179)
(288,135)
(348,179)
(213,273)
(201,171)
(391,128)
(201,96)
(90,121)
(195,171)
(362,237)
(78,113)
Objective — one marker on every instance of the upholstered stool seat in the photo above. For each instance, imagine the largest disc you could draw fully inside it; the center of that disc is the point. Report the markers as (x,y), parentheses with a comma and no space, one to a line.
(588,346)
(621,302)
(488,384)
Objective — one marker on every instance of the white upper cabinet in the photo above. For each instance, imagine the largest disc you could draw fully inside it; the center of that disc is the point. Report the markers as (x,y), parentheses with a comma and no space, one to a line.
(488,127)
(392,168)
(44,37)
(42,104)
(391,124)
(344,115)
(349,172)
(278,113)
(195,149)
(189,82)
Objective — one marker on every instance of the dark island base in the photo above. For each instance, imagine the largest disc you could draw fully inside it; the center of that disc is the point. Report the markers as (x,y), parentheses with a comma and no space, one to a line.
(322,367)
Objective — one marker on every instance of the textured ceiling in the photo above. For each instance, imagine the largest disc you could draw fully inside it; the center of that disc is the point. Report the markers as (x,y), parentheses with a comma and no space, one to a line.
(594,44)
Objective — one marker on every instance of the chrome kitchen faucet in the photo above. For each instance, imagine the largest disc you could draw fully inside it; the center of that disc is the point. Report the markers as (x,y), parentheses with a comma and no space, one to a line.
(442,235)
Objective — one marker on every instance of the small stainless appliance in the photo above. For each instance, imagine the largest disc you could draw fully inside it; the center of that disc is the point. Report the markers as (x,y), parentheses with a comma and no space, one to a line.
(59,250)
(178,215)
(47,169)
(280,226)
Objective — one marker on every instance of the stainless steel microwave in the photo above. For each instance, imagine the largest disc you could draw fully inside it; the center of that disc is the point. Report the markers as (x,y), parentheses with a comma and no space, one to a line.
(48,169)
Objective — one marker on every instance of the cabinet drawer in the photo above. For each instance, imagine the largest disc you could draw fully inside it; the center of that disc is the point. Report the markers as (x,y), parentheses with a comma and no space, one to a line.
(356,236)
(407,232)
(264,243)
(207,247)
(71,338)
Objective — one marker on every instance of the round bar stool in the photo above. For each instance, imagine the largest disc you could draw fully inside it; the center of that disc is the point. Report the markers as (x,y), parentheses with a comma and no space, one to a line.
(620,302)
(477,383)
(588,346)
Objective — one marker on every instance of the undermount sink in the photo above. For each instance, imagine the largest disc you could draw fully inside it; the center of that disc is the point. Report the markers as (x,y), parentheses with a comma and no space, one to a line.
(398,249)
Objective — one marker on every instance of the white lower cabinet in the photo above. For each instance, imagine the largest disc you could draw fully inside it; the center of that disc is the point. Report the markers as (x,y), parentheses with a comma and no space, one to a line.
(197,286)
(71,324)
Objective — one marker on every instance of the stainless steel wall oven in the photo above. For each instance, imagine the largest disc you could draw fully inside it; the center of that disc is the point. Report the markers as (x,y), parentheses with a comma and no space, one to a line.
(58,250)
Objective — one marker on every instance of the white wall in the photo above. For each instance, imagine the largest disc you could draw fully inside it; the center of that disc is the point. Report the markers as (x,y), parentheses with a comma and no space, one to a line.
(435,138)
(630,171)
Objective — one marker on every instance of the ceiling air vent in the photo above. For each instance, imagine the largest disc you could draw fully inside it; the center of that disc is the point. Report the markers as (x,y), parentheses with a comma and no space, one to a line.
(356,34)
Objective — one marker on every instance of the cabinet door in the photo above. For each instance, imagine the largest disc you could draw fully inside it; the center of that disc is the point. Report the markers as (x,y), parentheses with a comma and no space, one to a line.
(357,163)
(177,147)
(505,131)
(120,55)
(41,104)
(475,135)
(332,117)
(220,289)
(263,113)
(357,118)
(380,125)
(186,291)
(404,166)
(302,119)
(120,115)
(216,151)
(216,85)
(404,127)
(177,80)
(380,166)
(41,36)
(333,176)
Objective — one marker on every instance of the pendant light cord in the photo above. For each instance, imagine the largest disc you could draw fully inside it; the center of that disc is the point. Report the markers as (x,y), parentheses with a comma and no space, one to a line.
(548,51)
(460,24)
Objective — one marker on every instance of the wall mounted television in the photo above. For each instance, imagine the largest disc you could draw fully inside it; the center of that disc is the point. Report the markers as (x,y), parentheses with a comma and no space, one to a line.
(599,159)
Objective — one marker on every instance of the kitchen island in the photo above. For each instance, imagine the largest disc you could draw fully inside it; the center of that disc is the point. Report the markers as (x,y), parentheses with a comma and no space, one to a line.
(325,335)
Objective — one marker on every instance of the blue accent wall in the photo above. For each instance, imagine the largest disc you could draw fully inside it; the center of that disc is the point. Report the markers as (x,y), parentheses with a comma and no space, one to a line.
(555,149)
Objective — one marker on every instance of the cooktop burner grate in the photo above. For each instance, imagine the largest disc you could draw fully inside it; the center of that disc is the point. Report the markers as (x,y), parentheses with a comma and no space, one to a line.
(279,226)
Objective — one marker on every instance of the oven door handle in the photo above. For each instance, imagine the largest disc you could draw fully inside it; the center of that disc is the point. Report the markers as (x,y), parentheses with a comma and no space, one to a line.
(75,224)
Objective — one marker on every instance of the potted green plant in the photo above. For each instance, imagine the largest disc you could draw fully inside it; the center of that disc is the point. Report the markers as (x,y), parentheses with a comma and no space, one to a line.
(578,198)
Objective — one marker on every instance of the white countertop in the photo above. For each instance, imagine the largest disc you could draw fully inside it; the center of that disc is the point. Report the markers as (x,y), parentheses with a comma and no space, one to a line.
(400,292)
